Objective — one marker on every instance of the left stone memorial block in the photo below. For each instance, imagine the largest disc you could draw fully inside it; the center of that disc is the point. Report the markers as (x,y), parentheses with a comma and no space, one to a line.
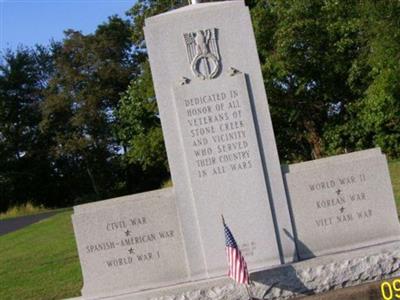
(129,244)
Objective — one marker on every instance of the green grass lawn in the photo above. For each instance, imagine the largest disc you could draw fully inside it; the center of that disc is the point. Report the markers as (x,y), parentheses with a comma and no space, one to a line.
(41,261)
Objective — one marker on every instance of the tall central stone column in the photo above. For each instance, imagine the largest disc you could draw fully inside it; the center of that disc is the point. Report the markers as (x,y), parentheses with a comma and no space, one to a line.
(219,137)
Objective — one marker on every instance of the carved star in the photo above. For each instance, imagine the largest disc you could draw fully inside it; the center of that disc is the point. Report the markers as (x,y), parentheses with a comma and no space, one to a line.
(342,209)
(128,233)
(184,81)
(339,191)
(232,71)
(131,251)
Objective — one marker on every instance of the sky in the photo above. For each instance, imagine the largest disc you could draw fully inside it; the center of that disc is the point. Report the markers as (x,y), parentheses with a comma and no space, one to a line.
(30,22)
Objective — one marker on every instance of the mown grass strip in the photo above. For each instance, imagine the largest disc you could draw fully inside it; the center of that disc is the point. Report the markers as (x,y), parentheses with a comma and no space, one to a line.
(40,261)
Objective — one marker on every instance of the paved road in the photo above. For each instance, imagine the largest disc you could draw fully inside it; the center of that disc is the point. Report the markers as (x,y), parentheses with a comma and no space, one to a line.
(10,225)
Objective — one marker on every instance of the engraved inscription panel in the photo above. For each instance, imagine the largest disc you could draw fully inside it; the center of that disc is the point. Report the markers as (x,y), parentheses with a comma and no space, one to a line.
(341,206)
(133,246)
(218,134)
(225,170)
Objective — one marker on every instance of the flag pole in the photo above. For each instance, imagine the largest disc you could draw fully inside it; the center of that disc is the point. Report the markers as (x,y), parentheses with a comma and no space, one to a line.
(248,292)
(234,254)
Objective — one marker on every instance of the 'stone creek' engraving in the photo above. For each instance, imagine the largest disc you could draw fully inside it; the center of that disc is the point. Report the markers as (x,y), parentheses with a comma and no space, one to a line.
(218,133)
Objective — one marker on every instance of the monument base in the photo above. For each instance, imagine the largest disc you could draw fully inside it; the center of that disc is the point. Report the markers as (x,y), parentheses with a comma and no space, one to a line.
(313,276)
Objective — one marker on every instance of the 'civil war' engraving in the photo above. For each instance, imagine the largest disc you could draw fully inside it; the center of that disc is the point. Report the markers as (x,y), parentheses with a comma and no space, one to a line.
(131,242)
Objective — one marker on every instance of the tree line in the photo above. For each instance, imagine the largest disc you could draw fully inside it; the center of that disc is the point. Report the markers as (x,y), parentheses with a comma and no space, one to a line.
(79,119)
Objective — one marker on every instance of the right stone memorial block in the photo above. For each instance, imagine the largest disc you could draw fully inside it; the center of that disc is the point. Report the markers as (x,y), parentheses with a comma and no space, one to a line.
(341,203)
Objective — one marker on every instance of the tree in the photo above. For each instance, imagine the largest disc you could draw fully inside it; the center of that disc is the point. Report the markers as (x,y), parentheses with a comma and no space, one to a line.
(138,126)
(79,110)
(23,156)
(140,133)
(306,49)
(147,8)
(373,120)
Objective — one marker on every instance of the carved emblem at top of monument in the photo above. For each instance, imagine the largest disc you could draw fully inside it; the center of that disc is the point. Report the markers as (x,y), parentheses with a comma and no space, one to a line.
(203,53)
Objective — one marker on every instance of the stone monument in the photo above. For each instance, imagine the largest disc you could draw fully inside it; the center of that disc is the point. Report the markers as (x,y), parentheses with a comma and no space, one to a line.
(336,215)
(218,134)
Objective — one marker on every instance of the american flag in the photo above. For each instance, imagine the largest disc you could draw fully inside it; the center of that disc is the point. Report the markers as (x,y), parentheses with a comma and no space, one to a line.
(237,265)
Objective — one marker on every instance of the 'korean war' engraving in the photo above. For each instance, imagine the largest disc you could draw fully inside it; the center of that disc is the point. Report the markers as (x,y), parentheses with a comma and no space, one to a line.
(343,205)
(339,203)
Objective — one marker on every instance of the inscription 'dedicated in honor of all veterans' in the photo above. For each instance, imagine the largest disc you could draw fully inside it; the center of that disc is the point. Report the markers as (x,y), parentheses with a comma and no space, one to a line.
(221,148)
(218,132)
(342,205)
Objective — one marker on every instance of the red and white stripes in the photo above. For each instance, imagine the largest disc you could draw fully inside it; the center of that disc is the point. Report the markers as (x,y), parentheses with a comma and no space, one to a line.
(237,265)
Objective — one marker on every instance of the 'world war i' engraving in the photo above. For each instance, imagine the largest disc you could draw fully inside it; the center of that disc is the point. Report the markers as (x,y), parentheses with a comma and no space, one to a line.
(134,245)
